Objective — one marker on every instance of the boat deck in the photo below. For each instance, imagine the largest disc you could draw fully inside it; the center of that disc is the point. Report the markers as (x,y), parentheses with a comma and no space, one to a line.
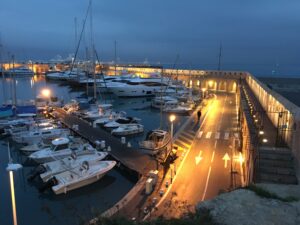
(129,157)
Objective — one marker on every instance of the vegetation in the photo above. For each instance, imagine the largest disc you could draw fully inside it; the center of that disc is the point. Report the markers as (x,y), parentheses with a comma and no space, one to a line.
(202,217)
(266,194)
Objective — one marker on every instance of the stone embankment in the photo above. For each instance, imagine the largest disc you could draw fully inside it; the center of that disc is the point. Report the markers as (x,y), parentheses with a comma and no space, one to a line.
(263,204)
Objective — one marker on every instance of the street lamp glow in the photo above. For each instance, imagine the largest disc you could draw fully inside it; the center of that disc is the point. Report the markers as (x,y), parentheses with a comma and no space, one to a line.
(261,132)
(210,83)
(172,118)
(11,167)
(46,92)
(265,140)
(241,158)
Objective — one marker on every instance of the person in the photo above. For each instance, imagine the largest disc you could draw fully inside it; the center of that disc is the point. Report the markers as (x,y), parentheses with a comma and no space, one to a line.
(199,115)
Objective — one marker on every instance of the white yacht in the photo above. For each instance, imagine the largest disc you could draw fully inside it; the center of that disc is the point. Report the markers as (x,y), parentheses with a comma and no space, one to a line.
(121,120)
(28,149)
(61,148)
(19,71)
(69,163)
(128,129)
(155,142)
(57,75)
(80,176)
(32,137)
(159,102)
(66,75)
(138,87)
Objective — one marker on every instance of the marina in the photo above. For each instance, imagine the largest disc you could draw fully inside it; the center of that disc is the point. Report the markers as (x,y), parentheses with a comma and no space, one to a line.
(133,163)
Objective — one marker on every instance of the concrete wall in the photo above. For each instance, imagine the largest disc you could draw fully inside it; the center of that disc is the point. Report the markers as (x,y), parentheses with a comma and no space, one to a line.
(284,114)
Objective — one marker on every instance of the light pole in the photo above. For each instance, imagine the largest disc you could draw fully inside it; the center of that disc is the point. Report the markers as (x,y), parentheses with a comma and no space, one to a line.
(11,167)
(203,92)
(172,119)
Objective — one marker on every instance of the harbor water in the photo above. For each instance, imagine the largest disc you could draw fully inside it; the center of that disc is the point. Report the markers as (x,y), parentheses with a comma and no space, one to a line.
(34,208)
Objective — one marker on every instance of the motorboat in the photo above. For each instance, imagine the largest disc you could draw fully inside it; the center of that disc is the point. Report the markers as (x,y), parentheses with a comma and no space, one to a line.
(57,75)
(32,137)
(179,109)
(120,121)
(101,111)
(28,149)
(155,142)
(128,129)
(19,71)
(42,102)
(138,87)
(66,75)
(21,129)
(71,107)
(50,169)
(5,123)
(61,148)
(172,90)
(78,177)
(162,101)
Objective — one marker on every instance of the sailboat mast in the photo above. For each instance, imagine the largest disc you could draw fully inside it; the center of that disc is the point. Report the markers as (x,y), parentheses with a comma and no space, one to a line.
(93,50)
(161,101)
(115,57)
(14,83)
(2,73)
(220,56)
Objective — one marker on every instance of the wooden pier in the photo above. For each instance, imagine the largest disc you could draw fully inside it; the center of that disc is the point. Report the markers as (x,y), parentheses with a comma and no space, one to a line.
(128,157)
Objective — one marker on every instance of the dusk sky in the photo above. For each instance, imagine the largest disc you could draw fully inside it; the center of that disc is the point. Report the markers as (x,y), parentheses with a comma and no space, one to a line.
(258,36)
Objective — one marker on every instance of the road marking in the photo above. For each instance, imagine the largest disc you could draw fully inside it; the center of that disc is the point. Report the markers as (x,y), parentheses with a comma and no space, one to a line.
(198,158)
(226,158)
(200,134)
(208,135)
(226,136)
(217,135)
(206,184)
(213,156)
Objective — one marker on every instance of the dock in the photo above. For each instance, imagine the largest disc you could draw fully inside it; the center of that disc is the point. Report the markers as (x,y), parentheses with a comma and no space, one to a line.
(128,157)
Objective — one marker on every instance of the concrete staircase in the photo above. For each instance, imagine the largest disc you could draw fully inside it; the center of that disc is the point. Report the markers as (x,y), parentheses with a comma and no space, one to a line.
(275,165)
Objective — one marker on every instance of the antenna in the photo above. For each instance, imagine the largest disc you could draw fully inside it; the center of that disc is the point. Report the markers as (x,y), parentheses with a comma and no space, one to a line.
(220,55)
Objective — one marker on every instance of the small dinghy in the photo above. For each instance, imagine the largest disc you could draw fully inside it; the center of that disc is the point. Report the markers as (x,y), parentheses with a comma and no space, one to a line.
(128,129)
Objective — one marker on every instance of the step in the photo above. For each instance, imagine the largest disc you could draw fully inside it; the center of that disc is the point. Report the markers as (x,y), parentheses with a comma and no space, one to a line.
(190,132)
(185,140)
(281,151)
(276,170)
(275,156)
(187,135)
(276,163)
(180,144)
(281,179)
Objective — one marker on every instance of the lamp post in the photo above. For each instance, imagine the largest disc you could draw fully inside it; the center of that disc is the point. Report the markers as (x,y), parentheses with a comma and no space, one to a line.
(11,167)
(172,118)
(203,92)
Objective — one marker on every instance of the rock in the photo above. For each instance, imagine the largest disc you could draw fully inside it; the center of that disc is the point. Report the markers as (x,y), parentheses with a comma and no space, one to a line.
(244,207)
